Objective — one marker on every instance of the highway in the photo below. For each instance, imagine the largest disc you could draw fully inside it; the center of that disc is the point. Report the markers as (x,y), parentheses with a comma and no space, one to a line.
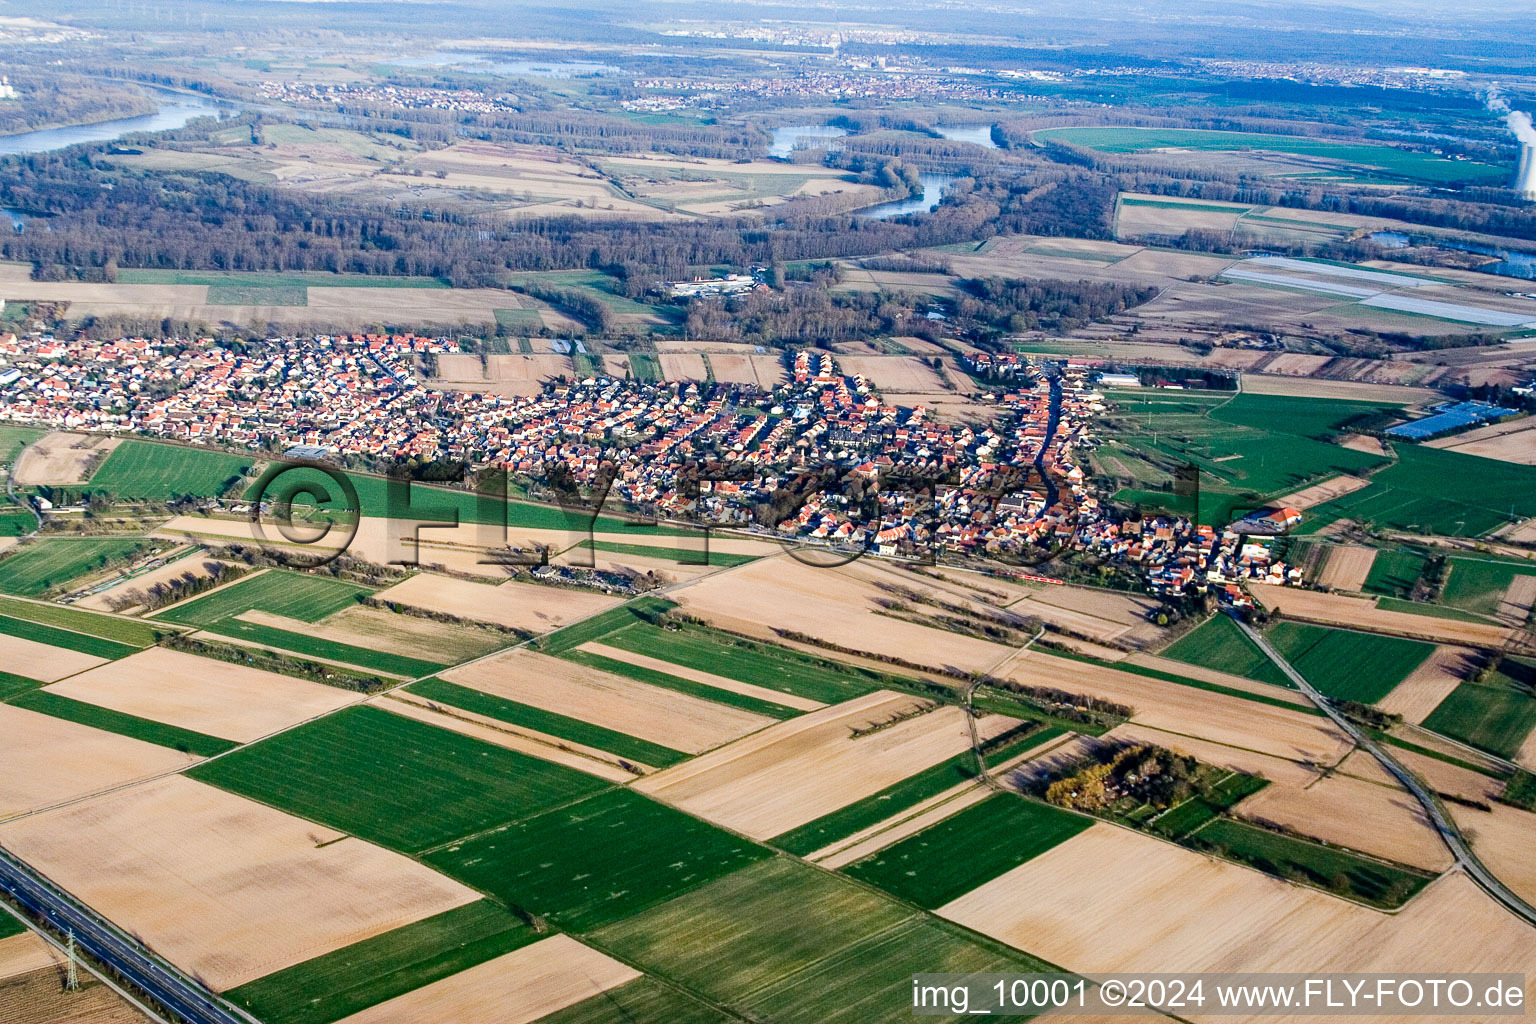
(1465,858)
(94,935)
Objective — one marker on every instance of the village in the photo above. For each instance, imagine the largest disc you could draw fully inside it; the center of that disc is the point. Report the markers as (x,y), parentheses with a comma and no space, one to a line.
(821,459)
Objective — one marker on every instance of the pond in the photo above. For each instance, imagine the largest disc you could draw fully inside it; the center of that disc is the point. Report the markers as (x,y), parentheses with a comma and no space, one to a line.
(933,191)
(786,139)
(978,134)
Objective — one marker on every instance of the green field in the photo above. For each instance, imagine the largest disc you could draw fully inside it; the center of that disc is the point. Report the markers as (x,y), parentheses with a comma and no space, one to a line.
(13,439)
(748,661)
(144,470)
(297,596)
(10,926)
(292,595)
(1346,665)
(429,503)
(1219,644)
(78,620)
(281,279)
(393,780)
(595,861)
(642,1001)
(600,286)
(158,733)
(12,684)
(1495,715)
(1417,494)
(1385,160)
(548,722)
(1394,573)
(16,521)
(781,941)
(1476,585)
(257,295)
(1329,867)
(1248,448)
(36,568)
(356,977)
(518,317)
(949,859)
(56,637)
(644,366)
(683,556)
(1178,822)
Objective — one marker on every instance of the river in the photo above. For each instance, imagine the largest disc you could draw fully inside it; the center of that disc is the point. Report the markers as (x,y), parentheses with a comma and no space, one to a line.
(1511,262)
(933,191)
(176,109)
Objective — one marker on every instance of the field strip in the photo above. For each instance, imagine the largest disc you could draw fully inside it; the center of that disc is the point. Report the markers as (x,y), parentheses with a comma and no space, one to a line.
(1347,567)
(1361,614)
(1429,684)
(213,697)
(1525,757)
(1515,606)
(222,586)
(807,767)
(909,822)
(520,987)
(1376,820)
(238,641)
(24,953)
(1220,678)
(763,693)
(41,661)
(46,761)
(666,717)
(511,604)
(525,741)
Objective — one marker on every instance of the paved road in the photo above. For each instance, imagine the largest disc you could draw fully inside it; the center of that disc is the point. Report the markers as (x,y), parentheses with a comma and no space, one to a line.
(173,990)
(1449,833)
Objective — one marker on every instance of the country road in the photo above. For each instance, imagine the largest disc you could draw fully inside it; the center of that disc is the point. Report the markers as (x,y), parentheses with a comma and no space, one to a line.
(181,995)
(1449,833)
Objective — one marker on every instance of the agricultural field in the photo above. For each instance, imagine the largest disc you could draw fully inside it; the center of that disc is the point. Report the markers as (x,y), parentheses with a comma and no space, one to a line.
(398,782)
(1394,573)
(173,861)
(595,861)
(84,643)
(782,941)
(150,471)
(202,695)
(159,733)
(1218,643)
(1249,448)
(291,611)
(1411,495)
(1283,856)
(43,566)
(370,972)
(1479,585)
(974,846)
(47,760)
(1347,665)
(77,620)
(1357,160)
(1496,714)
(546,723)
